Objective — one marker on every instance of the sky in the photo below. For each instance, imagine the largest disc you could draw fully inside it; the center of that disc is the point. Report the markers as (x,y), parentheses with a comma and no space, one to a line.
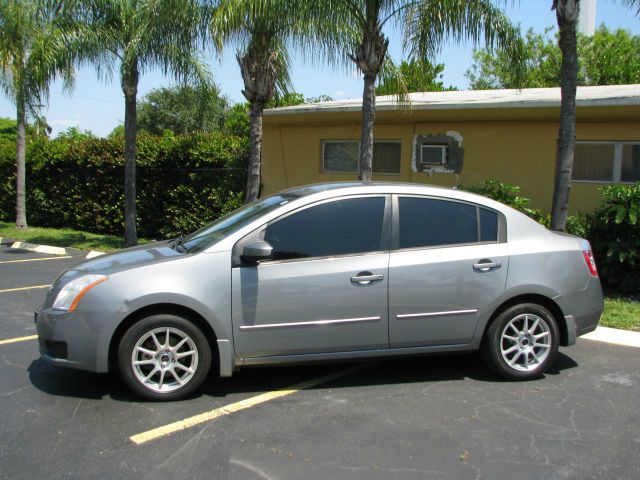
(98,105)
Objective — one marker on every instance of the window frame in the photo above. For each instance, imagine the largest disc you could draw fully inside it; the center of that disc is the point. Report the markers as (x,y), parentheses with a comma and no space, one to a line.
(616,161)
(259,233)
(395,228)
(443,148)
(381,140)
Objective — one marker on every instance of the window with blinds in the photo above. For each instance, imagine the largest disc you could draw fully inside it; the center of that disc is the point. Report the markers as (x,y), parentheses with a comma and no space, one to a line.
(606,162)
(342,156)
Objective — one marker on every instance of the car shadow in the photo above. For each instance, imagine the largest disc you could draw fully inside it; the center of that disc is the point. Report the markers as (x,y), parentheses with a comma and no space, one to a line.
(401,371)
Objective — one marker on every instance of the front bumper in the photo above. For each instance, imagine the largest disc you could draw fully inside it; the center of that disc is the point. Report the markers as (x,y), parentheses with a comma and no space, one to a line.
(75,339)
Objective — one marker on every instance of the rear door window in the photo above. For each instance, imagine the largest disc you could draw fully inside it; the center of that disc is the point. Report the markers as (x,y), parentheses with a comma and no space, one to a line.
(431,222)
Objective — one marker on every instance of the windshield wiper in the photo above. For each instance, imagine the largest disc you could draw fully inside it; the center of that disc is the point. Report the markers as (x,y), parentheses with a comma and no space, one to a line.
(178,245)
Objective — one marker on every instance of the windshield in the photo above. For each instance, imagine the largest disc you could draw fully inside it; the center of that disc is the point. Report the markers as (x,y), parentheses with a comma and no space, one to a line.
(216,231)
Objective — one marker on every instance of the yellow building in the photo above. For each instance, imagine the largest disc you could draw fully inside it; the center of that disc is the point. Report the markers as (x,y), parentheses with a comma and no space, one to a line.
(465,137)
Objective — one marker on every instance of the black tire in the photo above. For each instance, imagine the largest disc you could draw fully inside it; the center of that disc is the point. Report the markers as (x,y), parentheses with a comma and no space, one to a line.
(168,362)
(496,342)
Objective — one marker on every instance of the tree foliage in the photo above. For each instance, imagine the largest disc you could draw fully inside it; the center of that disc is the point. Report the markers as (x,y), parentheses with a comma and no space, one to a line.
(417,76)
(606,58)
(614,232)
(134,37)
(356,27)
(32,54)
(75,181)
(262,32)
(182,109)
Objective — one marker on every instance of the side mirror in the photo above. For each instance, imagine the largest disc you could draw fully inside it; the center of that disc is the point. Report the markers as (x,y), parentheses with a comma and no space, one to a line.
(255,251)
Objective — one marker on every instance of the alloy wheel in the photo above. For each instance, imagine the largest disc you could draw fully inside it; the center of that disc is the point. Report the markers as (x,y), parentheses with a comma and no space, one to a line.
(164,359)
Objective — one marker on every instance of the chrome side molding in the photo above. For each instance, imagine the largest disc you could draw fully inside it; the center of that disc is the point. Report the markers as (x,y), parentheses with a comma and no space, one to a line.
(315,323)
(435,314)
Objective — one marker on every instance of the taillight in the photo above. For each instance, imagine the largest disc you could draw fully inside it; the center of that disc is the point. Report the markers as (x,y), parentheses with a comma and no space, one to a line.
(591,262)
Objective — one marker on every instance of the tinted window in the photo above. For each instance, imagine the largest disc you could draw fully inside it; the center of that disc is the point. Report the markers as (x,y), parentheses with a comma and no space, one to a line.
(488,226)
(426,222)
(334,228)
(210,234)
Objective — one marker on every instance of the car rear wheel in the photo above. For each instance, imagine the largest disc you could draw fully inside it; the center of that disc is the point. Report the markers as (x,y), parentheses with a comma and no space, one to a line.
(522,342)
(164,357)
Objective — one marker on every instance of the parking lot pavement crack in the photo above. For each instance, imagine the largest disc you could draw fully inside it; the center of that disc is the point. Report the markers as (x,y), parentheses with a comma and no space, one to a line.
(252,468)
(75,411)
(17,390)
(394,470)
(188,446)
(11,364)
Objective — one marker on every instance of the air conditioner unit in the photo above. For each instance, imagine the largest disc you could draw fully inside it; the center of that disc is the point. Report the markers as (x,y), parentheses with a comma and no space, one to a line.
(433,155)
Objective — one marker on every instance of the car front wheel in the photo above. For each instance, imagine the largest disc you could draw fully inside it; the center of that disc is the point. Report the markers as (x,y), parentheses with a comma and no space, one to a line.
(522,342)
(164,357)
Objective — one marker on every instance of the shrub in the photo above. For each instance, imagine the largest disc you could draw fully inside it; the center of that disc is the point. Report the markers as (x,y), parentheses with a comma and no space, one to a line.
(77,182)
(509,195)
(614,233)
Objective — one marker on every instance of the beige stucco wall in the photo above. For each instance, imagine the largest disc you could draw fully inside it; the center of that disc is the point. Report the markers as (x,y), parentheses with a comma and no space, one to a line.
(516,151)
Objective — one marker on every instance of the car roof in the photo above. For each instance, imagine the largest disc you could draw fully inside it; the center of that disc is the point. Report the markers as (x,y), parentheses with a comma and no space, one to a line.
(303,191)
(333,189)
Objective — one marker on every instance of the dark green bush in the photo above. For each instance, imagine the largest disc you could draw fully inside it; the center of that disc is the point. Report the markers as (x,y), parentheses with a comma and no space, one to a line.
(509,195)
(183,182)
(614,233)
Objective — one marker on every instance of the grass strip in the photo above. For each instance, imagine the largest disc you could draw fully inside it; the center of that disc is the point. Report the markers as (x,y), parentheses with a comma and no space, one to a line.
(621,312)
(63,237)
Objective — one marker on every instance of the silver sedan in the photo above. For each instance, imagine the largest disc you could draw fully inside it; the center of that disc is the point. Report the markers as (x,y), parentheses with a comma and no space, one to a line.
(327,272)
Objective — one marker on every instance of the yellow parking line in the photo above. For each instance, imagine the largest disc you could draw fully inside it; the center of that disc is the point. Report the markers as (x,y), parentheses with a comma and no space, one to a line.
(35,259)
(23,288)
(19,339)
(165,430)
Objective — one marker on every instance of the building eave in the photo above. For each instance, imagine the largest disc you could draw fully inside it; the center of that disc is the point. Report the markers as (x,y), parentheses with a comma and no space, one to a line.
(531,98)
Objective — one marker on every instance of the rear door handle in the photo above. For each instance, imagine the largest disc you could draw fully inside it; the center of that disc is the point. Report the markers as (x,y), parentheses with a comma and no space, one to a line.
(365,278)
(486,265)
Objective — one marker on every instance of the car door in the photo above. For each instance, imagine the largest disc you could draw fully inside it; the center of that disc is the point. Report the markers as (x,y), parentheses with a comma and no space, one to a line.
(325,289)
(449,262)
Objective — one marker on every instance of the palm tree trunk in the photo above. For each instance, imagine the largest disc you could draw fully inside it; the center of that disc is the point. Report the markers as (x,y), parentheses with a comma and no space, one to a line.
(21,213)
(130,89)
(368,119)
(567,19)
(255,134)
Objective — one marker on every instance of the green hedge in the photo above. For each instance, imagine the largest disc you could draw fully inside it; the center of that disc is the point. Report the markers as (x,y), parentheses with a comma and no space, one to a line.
(614,233)
(183,182)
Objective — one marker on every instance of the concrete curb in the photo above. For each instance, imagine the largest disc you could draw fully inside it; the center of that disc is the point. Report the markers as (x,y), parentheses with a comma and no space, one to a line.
(32,247)
(48,249)
(615,336)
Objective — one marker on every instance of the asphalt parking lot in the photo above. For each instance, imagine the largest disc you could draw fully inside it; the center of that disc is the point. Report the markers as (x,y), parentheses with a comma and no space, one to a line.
(413,418)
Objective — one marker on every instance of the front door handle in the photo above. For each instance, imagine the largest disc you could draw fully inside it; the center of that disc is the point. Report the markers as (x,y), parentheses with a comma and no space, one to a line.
(365,278)
(486,265)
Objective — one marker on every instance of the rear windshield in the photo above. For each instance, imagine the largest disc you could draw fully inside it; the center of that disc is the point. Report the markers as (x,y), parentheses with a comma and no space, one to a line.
(216,231)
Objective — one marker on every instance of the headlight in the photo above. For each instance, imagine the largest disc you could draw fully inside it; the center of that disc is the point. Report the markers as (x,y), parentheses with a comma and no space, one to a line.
(73,291)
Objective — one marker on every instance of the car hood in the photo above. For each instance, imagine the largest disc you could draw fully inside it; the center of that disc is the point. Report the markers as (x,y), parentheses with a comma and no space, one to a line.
(135,257)
(127,259)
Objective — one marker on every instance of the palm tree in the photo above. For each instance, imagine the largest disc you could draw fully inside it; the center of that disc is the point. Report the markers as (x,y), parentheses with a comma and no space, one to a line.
(260,30)
(633,4)
(426,24)
(567,15)
(263,28)
(32,54)
(137,36)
